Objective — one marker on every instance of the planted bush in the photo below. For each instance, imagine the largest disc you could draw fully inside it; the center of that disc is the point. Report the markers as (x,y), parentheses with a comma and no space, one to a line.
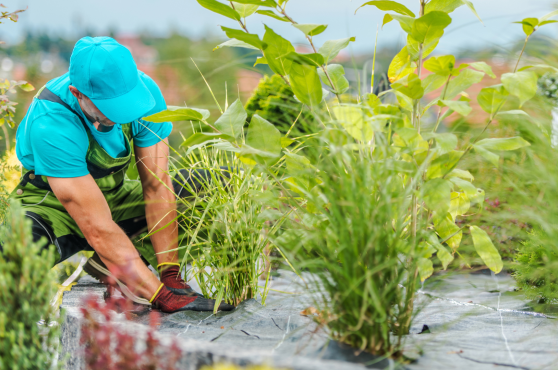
(226,221)
(28,285)
(436,196)
(355,224)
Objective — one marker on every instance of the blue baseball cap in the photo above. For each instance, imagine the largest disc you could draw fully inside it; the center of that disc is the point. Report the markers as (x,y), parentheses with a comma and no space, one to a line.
(105,72)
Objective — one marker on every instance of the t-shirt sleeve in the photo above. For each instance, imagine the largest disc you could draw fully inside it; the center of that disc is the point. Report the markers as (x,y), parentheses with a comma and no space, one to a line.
(149,133)
(59,146)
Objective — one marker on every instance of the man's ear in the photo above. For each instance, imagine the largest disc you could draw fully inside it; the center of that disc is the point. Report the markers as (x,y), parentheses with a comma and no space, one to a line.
(75,92)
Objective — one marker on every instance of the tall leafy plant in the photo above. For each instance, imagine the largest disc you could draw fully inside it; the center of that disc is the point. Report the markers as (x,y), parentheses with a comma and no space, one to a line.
(441,195)
(445,193)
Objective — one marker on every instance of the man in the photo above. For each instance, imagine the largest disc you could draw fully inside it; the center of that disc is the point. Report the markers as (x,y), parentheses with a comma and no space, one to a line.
(75,146)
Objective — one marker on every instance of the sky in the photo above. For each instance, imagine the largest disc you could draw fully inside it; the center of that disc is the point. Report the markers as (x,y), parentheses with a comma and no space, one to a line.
(70,17)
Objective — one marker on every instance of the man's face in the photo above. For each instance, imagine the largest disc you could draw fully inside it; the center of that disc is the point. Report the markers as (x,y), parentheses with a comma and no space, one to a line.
(90,110)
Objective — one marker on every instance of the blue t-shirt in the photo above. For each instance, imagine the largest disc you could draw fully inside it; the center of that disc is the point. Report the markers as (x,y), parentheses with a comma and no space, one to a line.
(52,140)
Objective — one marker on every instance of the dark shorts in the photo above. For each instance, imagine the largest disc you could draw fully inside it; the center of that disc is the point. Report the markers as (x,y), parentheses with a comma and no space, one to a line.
(70,244)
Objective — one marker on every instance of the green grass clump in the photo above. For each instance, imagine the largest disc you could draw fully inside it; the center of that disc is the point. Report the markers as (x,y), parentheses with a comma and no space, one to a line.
(354,223)
(226,226)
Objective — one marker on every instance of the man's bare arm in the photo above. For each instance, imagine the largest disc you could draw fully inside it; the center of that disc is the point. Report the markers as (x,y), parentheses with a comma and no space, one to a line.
(160,208)
(85,202)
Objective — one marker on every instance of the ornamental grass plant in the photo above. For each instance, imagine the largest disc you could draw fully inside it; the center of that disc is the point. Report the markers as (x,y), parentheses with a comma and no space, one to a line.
(227,225)
(351,239)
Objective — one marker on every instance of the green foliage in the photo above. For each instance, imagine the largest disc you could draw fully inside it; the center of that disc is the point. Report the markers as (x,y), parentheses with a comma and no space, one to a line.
(28,284)
(274,100)
(349,236)
(385,183)
(536,266)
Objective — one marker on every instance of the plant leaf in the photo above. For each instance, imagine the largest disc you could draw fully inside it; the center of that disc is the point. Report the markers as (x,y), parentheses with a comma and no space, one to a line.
(548,16)
(483,67)
(514,113)
(410,86)
(245,10)
(445,227)
(486,250)
(488,155)
(442,253)
(236,44)
(443,164)
(173,114)
(521,84)
(314,59)
(512,143)
(331,48)
(430,27)
(272,14)
(400,66)
(442,66)
(491,99)
(425,268)
(466,79)
(268,3)
(446,142)
(220,8)
(233,120)
(27,87)
(389,6)
(337,74)
(459,205)
(248,38)
(460,174)
(437,195)
(263,137)
(353,119)
(306,84)
(468,188)
(275,52)
(448,6)
(405,22)
(461,107)
(433,82)
(311,29)
(202,137)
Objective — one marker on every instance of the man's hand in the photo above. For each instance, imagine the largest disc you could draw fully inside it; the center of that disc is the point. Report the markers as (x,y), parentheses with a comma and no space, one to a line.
(160,202)
(85,202)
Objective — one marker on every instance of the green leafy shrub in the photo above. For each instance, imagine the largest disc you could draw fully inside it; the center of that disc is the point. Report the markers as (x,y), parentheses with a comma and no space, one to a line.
(536,271)
(275,101)
(27,284)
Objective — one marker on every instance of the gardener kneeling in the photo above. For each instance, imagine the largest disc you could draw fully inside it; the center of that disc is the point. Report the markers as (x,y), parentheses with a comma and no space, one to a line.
(75,146)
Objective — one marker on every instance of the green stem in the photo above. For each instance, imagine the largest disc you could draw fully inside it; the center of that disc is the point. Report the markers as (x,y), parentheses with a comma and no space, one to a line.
(315,51)
(240,21)
(522,51)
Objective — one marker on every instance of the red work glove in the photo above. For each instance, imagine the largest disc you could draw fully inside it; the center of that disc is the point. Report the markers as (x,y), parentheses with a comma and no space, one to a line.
(166,301)
(169,274)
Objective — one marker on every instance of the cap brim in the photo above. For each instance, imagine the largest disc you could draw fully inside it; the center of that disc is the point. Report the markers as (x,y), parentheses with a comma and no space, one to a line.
(128,107)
